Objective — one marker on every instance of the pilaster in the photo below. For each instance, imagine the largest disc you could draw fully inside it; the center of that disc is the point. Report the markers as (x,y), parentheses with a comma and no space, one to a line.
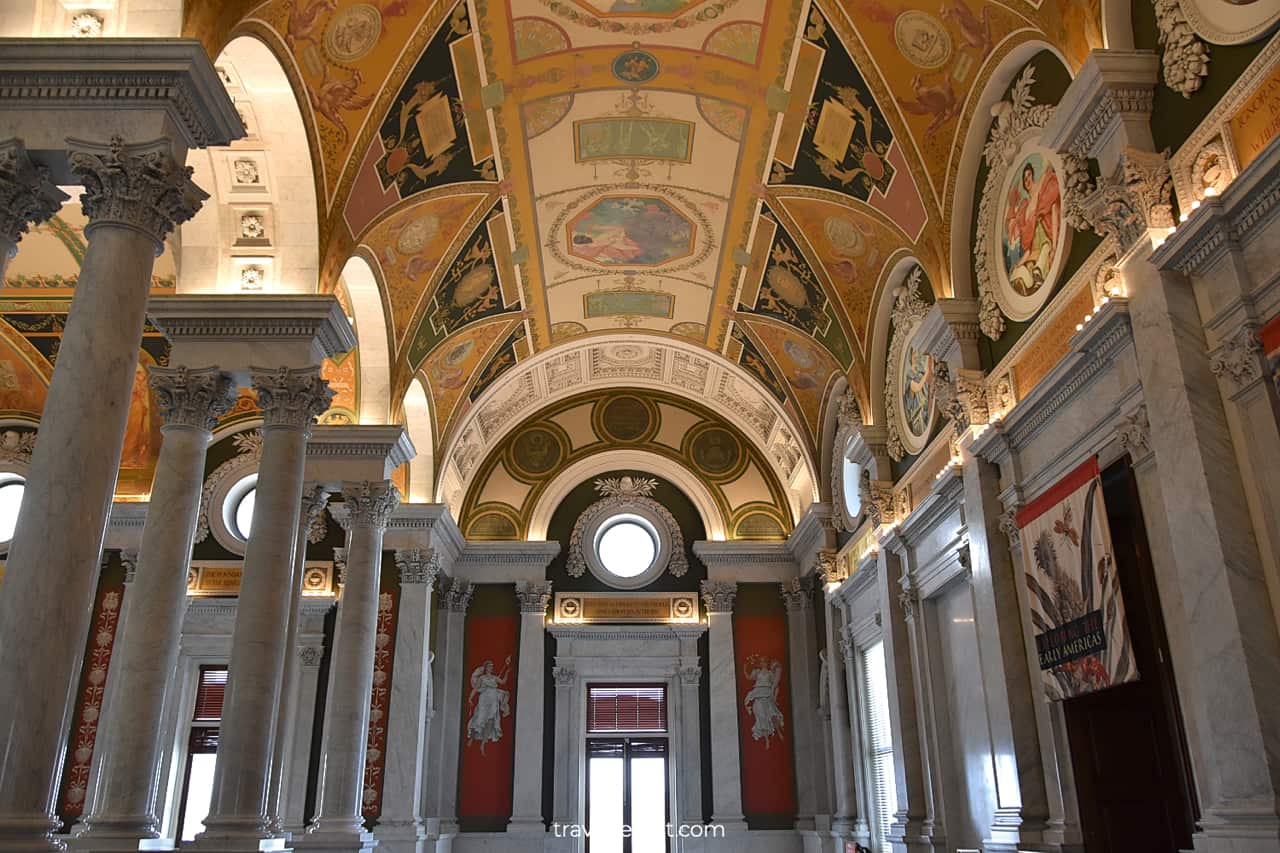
(726,766)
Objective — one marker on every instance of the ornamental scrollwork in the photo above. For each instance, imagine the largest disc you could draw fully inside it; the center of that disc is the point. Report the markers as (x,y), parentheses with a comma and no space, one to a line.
(623,494)
(1184,58)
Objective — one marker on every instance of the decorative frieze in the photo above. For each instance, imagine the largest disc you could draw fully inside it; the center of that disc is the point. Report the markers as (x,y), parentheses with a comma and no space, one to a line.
(417,565)
(135,186)
(534,596)
(291,396)
(718,596)
(193,397)
(27,195)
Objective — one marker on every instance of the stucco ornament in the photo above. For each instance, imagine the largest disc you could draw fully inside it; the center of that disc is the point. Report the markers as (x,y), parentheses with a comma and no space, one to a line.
(623,494)
(908,310)
(848,421)
(1184,58)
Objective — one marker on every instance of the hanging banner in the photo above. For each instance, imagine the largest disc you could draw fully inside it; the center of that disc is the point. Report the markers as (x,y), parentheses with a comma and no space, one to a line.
(489,709)
(1073,588)
(765,722)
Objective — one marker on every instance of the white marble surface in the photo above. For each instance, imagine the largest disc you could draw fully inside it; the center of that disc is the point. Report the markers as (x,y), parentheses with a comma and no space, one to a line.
(726,763)
(526,800)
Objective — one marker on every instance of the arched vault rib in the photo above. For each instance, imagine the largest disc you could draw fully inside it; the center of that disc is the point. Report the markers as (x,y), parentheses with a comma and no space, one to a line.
(636,361)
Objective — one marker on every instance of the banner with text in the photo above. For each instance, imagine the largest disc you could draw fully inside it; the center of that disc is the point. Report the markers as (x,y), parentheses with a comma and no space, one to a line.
(1076,608)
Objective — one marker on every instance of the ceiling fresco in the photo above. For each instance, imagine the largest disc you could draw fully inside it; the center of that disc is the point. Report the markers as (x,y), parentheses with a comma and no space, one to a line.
(736,173)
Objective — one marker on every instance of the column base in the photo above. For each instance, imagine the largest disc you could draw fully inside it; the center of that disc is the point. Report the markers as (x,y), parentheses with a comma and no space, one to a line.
(236,836)
(1011,833)
(731,823)
(125,832)
(29,834)
(335,841)
(1242,830)
(526,825)
(401,836)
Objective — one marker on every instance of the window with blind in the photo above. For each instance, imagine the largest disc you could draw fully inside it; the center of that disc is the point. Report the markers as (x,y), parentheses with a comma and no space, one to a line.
(879,744)
(626,708)
(209,694)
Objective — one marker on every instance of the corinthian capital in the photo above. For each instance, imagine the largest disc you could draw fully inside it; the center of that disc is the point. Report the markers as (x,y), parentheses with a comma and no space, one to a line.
(417,565)
(367,504)
(27,196)
(193,397)
(719,596)
(135,186)
(534,596)
(289,396)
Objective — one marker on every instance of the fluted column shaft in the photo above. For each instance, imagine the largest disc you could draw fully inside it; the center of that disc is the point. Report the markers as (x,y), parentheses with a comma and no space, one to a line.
(726,761)
(367,507)
(290,400)
(314,501)
(123,805)
(526,806)
(404,777)
(133,198)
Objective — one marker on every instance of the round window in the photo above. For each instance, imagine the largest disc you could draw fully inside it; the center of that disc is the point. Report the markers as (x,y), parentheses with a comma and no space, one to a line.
(852,489)
(627,546)
(238,508)
(12,488)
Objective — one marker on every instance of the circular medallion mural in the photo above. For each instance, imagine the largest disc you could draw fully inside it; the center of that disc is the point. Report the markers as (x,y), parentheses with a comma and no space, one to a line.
(1030,233)
(353,33)
(625,418)
(916,402)
(922,39)
(715,451)
(635,66)
(536,451)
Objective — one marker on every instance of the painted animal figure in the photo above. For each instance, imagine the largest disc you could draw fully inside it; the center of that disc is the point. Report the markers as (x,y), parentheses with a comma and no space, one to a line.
(335,95)
(975,31)
(304,21)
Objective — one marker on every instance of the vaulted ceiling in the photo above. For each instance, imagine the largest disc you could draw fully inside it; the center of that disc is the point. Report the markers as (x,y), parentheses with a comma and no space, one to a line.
(741,174)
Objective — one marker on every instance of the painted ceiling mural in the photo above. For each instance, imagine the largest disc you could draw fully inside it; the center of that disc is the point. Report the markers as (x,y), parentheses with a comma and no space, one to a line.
(523,173)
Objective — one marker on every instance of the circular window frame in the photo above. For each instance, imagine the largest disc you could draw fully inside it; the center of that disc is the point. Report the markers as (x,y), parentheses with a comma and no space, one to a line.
(11,474)
(634,519)
(597,518)
(231,502)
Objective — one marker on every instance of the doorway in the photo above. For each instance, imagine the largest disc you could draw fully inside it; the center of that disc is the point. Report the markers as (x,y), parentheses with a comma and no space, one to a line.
(1128,748)
(627,795)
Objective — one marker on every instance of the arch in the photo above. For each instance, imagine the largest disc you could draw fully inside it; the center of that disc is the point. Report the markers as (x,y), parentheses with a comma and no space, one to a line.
(219,250)
(417,421)
(372,338)
(1117,24)
(880,336)
(642,460)
(966,181)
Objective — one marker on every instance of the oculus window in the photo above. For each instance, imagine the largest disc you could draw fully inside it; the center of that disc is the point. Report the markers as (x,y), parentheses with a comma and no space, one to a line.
(237,510)
(12,488)
(627,545)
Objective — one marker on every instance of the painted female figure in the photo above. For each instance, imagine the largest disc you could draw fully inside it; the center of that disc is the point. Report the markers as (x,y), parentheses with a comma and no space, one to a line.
(490,703)
(1032,217)
(761,701)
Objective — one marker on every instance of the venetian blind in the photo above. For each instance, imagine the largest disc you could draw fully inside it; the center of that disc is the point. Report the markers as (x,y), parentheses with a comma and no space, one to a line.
(626,708)
(209,694)
(879,744)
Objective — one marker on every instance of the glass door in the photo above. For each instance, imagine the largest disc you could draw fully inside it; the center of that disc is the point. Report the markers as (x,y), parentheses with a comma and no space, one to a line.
(627,795)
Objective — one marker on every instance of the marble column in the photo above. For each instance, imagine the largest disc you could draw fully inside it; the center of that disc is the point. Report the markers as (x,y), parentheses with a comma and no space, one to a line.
(123,803)
(1021,819)
(909,831)
(315,499)
(27,197)
(339,824)
(726,760)
(562,807)
(400,827)
(446,734)
(293,790)
(290,399)
(526,802)
(690,674)
(1219,572)
(797,595)
(841,685)
(134,196)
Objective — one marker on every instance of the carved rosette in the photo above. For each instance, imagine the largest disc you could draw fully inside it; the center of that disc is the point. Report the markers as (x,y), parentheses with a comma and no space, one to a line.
(291,397)
(719,596)
(135,186)
(368,504)
(455,594)
(417,565)
(192,397)
(1184,58)
(797,593)
(1238,360)
(27,195)
(534,596)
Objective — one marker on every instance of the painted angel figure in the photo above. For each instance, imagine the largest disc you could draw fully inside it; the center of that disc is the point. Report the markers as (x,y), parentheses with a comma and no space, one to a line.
(489,703)
(761,701)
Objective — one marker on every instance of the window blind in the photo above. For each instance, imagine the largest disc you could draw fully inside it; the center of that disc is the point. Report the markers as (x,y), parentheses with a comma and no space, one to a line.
(626,708)
(209,694)
(879,745)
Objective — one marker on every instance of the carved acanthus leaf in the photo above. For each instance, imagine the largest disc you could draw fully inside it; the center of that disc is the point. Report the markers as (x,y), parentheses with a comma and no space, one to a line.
(1239,358)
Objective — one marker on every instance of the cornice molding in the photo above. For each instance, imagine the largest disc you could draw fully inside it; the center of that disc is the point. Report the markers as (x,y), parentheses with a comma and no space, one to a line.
(361,441)
(278,318)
